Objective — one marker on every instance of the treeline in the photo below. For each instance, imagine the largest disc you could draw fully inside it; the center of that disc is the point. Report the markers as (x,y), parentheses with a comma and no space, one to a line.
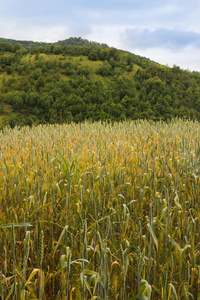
(25,44)
(72,41)
(78,41)
(58,84)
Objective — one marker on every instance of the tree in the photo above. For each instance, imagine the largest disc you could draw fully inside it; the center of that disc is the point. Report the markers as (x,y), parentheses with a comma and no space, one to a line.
(93,54)
(2,106)
(33,99)
(17,102)
(37,73)
(104,69)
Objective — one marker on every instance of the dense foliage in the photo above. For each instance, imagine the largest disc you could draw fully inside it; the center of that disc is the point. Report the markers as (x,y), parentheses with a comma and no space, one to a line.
(73,41)
(114,209)
(59,84)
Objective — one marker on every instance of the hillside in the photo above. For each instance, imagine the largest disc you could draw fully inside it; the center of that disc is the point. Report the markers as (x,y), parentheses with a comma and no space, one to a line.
(74,80)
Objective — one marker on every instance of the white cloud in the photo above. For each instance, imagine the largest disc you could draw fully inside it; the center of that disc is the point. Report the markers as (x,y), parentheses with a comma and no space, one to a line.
(106,34)
(175,40)
(35,32)
(187,59)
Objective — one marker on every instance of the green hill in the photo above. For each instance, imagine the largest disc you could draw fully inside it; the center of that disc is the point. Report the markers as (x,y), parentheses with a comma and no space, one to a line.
(75,79)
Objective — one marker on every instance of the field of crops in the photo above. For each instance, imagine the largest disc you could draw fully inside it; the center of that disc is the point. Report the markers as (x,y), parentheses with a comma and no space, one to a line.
(100,211)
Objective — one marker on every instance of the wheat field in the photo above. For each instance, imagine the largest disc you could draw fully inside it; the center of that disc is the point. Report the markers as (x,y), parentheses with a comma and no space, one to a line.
(100,211)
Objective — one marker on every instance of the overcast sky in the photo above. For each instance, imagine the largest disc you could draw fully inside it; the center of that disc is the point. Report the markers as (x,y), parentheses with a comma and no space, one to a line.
(166,31)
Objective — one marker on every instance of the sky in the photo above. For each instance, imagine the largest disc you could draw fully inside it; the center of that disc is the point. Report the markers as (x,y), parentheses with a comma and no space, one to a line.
(166,31)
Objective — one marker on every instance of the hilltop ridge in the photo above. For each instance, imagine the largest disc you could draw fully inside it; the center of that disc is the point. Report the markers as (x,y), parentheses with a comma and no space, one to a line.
(72,41)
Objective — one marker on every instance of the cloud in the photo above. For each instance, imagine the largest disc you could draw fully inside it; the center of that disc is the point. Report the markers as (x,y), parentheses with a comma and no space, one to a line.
(42,30)
(108,34)
(175,40)
(187,59)
(44,33)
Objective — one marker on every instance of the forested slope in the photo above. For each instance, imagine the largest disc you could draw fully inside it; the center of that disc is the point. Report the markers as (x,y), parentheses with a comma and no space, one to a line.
(58,83)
